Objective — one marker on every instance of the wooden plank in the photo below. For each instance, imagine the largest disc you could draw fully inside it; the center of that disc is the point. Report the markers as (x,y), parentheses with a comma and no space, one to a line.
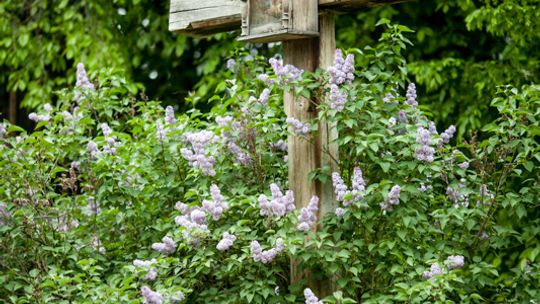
(204,17)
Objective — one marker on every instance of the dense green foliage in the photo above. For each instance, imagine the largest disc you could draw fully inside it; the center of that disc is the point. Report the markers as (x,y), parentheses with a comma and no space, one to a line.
(75,215)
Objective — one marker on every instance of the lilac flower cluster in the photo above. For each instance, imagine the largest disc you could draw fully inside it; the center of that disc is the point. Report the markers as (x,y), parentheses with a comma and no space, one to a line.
(194,222)
(425,152)
(97,245)
(298,127)
(82,81)
(217,205)
(151,273)
(231,64)
(265,78)
(343,69)
(308,215)
(342,191)
(434,271)
(402,117)
(279,205)
(310,297)
(337,98)
(92,148)
(45,117)
(263,98)
(432,127)
(151,297)
(169,116)
(226,242)
(266,256)
(455,262)
(424,188)
(68,116)
(287,73)
(454,195)
(392,199)
(110,148)
(196,154)
(340,212)
(167,246)
(241,156)
(411,95)
(448,134)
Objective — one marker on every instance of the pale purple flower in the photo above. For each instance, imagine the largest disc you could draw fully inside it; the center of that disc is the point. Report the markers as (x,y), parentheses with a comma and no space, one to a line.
(216,206)
(432,128)
(195,153)
(151,275)
(337,98)
(340,212)
(82,78)
(160,131)
(434,271)
(424,188)
(343,69)
(287,73)
(194,224)
(358,184)
(167,246)
(226,242)
(144,264)
(310,297)
(96,244)
(455,262)
(340,189)
(392,199)
(106,129)
(453,194)
(425,152)
(183,208)
(448,134)
(265,78)
(308,215)
(169,116)
(392,121)
(198,216)
(464,165)
(48,107)
(279,205)
(411,95)
(298,127)
(241,156)
(266,256)
(37,118)
(151,297)
(388,98)
(263,98)
(231,64)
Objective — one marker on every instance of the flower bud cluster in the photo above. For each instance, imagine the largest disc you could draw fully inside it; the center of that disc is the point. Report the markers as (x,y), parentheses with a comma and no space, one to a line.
(298,127)
(226,242)
(169,116)
(44,117)
(82,82)
(231,64)
(279,205)
(343,69)
(425,152)
(193,220)
(308,215)
(448,134)
(217,205)
(280,145)
(310,297)
(110,148)
(151,297)
(411,95)
(266,256)
(455,262)
(151,273)
(287,73)
(434,271)
(167,246)
(263,98)
(337,98)
(241,156)
(392,199)
(265,78)
(195,153)
(342,191)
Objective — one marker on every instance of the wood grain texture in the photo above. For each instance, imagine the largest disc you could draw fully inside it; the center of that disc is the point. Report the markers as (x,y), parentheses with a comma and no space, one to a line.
(305,156)
(342,5)
(204,17)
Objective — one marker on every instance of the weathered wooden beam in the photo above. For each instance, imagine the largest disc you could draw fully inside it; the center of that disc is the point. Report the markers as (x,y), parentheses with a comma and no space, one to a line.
(205,17)
(304,156)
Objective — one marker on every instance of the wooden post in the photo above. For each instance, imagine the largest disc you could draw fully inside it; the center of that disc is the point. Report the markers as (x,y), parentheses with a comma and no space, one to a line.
(305,156)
